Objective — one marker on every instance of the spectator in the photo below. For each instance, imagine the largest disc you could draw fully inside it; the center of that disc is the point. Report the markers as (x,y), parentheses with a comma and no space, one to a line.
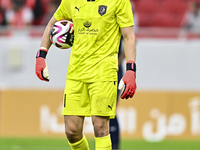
(191,20)
(19,16)
(5,4)
(2,16)
(51,8)
(38,11)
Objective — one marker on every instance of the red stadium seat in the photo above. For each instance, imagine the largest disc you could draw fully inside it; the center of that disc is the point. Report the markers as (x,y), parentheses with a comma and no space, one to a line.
(176,6)
(164,13)
(146,20)
(167,20)
(146,6)
(162,19)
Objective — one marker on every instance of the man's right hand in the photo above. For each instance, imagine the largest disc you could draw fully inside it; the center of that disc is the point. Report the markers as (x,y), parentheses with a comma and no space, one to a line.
(41,68)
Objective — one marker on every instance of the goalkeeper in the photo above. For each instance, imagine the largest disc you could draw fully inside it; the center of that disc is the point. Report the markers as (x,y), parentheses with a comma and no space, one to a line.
(91,84)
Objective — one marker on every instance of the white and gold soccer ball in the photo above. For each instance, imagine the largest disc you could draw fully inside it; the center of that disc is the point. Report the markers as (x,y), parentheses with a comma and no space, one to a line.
(62,34)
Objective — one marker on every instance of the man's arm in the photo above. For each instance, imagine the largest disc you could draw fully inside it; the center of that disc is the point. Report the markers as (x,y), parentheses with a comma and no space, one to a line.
(129,43)
(128,80)
(41,68)
(46,43)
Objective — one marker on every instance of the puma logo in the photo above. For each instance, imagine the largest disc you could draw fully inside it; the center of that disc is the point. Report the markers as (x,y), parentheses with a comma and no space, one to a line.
(77,8)
(110,107)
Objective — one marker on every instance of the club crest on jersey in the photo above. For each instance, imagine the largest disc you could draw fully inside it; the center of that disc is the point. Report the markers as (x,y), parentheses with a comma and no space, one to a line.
(102,10)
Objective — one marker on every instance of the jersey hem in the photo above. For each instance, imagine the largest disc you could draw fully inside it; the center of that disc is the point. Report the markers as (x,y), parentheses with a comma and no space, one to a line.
(112,116)
(90,81)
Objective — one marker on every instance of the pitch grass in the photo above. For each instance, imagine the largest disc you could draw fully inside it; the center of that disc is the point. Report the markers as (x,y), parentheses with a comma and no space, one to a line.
(61,144)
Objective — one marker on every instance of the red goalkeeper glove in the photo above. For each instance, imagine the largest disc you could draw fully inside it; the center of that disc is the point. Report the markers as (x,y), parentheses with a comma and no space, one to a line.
(41,68)
(128,81)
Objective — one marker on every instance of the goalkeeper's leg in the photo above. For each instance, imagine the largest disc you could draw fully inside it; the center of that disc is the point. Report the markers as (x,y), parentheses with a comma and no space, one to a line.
(74,132)
(101,131)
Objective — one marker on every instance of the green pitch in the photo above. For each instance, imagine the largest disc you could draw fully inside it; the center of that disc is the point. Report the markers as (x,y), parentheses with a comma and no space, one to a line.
(61,144)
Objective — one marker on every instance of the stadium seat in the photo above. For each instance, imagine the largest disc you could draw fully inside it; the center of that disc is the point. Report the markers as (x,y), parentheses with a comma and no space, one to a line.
(146,6)
(146,20)
(163,13)
(167,20)
(176,6)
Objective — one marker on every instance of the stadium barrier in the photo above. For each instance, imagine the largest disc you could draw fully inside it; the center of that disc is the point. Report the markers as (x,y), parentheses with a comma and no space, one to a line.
(150,115)
(167,62)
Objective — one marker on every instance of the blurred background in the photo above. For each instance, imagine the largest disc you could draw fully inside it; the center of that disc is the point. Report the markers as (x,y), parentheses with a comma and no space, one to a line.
(163,114)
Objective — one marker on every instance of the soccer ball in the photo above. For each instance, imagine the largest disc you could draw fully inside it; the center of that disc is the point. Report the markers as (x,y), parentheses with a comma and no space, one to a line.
(62,34)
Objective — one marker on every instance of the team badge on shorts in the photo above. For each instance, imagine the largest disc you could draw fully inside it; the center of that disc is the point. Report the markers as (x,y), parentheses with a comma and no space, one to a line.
(102,10)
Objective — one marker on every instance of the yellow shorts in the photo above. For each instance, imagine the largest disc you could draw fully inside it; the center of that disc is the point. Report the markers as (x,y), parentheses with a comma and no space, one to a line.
(90,99)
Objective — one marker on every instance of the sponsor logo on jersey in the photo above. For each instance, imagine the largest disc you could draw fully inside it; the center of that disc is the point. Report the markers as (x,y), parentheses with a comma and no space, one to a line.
(87,29)
(87,24)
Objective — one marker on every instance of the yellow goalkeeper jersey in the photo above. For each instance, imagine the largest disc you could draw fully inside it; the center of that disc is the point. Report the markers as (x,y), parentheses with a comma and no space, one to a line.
(97,23)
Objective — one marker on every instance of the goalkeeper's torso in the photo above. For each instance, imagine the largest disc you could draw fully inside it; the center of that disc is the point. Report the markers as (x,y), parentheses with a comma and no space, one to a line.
(96,37)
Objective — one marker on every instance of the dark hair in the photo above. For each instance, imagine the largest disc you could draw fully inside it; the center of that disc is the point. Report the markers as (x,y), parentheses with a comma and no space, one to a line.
(196,5)
(18,2)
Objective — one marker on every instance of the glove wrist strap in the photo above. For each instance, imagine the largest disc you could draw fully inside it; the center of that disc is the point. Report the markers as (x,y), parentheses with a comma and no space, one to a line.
(42,53)
(130,65)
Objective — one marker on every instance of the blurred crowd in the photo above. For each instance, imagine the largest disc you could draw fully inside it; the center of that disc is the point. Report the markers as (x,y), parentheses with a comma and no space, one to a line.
(22,13)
